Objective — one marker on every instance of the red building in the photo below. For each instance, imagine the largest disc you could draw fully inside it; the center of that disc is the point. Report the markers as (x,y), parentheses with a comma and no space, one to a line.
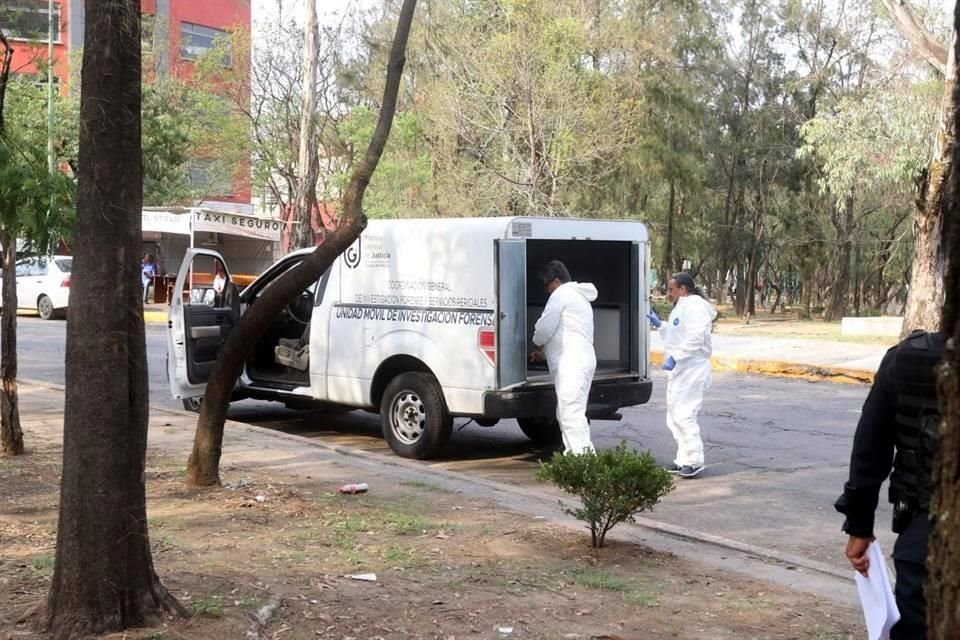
(187,27)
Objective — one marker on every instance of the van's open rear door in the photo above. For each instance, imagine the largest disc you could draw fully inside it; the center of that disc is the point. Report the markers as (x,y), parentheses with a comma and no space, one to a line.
(511,257)
(204,309)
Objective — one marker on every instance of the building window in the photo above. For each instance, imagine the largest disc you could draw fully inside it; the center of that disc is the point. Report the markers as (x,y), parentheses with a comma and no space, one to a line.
(28,22)
(196,40)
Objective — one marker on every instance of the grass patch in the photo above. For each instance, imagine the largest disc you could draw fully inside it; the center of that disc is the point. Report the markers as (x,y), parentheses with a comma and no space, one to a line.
(345,531)
(596,579)
(44,564)
(642,598)
(407,525)
(211,607)
(247,602)
(401,557)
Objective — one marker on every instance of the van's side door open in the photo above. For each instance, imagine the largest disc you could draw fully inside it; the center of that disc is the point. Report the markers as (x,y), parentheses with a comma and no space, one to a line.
(511,257)
(204,309)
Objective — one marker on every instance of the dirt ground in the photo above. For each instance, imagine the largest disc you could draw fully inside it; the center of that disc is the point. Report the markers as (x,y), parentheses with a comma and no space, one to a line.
(447,567)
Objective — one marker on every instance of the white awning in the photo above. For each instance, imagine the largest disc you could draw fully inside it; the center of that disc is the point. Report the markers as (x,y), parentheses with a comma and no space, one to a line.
(185,221)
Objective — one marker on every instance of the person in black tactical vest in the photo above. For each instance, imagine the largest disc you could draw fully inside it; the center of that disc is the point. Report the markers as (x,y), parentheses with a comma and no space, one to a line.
(898,430)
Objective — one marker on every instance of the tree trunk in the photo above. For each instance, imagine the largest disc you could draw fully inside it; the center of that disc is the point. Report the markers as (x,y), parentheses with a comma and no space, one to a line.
(925,297)
(667,266)
(203,466)
(942,589)
(11,435)
(943,563)
(308,161)
(843,223)
(104,579)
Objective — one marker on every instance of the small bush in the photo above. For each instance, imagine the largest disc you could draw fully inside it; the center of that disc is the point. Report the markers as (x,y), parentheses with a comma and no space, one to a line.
(613,486)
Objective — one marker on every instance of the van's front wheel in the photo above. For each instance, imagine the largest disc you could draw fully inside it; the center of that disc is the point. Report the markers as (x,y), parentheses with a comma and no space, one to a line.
(414,416)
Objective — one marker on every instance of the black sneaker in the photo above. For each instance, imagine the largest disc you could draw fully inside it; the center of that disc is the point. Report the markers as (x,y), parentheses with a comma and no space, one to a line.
(689,471)
(673,467)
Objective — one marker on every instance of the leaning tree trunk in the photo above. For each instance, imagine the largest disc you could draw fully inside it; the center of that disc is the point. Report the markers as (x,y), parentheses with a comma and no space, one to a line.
(203,467)
(11,435)
(925,296)
(104,579)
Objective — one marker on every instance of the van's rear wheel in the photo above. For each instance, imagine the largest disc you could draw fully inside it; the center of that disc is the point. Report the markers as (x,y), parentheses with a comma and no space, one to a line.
(414,416)
(544,432)
(193,404)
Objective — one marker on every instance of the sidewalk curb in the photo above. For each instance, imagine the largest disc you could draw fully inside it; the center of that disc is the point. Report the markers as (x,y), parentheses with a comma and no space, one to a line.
(783,369)
(518,494)
(155,317)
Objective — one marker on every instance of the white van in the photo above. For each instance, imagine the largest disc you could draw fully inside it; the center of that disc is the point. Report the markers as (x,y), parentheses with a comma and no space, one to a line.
(427,320)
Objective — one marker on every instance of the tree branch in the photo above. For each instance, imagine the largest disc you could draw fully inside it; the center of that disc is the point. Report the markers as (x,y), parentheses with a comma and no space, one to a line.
(924,42)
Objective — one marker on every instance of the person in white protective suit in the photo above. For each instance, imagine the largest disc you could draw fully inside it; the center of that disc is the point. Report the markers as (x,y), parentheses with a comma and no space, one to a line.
(564,331)
(686,353)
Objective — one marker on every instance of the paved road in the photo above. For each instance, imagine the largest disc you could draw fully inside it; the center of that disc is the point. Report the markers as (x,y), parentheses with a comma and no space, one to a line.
(777,449)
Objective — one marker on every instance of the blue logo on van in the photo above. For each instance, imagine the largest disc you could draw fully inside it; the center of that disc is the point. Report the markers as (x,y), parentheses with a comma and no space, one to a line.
(351,257)
(676,322)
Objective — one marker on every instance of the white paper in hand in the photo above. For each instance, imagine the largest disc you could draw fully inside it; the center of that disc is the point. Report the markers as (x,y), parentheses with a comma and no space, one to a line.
(876,596)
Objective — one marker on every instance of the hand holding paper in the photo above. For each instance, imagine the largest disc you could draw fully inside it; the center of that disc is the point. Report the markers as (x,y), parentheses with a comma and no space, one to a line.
(876,595)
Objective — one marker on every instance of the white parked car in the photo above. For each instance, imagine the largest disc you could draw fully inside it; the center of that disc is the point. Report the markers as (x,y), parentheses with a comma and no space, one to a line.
(43,284)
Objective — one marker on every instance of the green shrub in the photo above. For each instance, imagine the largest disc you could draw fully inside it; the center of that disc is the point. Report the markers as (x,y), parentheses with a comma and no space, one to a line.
(613,486)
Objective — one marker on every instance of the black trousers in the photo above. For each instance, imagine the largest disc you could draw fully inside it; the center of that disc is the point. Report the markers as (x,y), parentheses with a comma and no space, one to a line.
(910,562)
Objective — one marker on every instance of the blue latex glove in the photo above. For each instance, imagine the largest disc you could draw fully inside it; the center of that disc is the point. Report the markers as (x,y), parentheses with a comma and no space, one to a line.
(669,364)
(654,319)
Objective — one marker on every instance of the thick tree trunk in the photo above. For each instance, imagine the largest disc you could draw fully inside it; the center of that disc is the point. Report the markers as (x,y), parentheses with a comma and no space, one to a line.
(308,161)
(104,579)
(11,435)
(203,467)
(925,297)
(943,563)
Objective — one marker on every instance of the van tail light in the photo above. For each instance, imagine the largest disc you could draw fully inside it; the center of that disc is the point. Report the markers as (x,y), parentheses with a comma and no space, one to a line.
(65,283)
(487,342)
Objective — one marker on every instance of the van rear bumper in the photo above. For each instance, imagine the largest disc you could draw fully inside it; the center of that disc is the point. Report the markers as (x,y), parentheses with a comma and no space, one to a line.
(529,402)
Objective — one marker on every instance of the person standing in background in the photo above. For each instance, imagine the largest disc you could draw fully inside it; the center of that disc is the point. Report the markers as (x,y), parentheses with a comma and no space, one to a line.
(148,269)
(687,348)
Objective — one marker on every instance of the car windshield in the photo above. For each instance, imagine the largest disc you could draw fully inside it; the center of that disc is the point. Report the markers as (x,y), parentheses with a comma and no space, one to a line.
(64,264)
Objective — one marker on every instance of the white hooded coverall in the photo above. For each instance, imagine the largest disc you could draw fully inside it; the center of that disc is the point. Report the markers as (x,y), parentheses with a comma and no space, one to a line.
(686,337)
(565,332)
